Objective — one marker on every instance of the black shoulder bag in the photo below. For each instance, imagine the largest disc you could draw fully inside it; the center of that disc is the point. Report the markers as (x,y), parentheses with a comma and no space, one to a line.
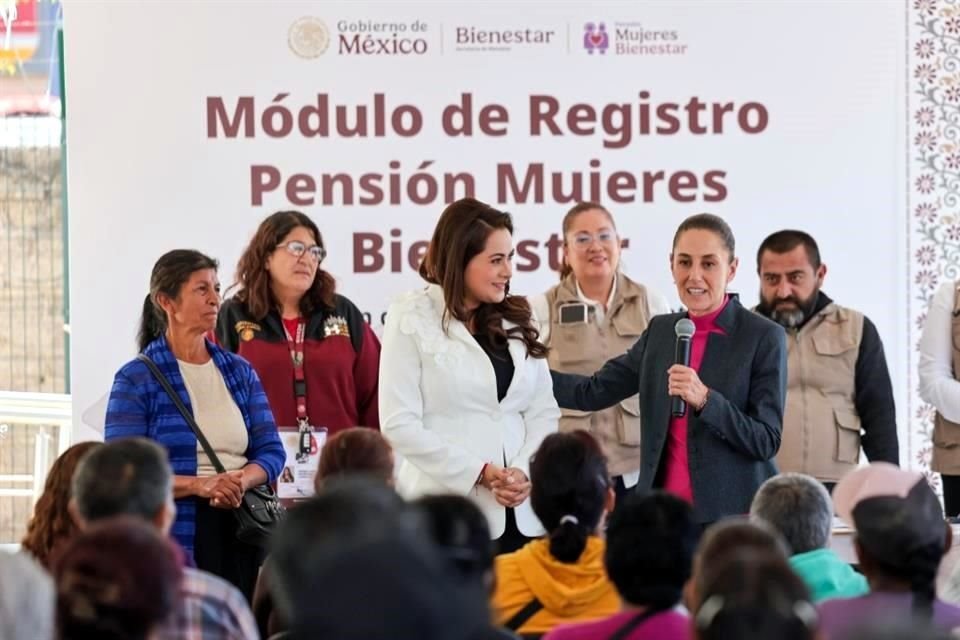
(260,510)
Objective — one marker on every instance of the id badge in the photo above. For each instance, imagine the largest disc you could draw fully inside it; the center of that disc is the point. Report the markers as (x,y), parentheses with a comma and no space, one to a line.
(302,444)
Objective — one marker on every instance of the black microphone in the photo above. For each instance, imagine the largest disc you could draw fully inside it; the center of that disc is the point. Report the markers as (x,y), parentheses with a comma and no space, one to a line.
(684,330)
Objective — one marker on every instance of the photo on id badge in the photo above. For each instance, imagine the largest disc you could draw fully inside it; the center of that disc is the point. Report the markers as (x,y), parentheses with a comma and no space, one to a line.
(302,447)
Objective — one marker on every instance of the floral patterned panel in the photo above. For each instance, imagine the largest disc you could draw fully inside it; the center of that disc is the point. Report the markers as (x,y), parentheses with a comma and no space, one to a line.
(934,193)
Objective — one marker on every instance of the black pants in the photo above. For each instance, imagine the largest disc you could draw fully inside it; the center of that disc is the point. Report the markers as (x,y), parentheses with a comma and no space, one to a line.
(512,539)
(217,550)
(620,489)
(951,495)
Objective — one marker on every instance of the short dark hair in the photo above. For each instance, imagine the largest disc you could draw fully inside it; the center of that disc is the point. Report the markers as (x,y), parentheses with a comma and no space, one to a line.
(754,595)
(799,507)
(569,477)
(788,240)
(651,539)
(129,476)
(461,531)
(357,528)
(709,222)
(347,508)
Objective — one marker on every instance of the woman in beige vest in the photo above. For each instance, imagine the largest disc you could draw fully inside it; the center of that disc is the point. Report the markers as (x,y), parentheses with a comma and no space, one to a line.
(594,314)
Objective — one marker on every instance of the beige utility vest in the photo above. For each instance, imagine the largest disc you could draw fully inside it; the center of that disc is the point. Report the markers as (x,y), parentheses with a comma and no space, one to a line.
(821,426)
(584,347)
(946,434)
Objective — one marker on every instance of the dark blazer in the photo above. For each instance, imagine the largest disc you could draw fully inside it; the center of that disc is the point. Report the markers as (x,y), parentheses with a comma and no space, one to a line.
(732,442)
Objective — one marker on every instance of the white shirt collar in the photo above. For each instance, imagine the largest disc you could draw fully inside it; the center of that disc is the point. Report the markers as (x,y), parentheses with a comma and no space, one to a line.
(613,293)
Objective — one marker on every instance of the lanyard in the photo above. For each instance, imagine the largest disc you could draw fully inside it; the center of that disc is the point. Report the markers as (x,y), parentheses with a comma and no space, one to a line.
(295,345)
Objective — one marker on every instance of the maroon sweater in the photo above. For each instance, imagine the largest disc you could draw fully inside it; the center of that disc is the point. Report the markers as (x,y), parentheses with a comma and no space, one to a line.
(341,357)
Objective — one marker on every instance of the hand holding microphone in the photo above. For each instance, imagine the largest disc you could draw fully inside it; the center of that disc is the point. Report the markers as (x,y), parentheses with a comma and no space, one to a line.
(683,383)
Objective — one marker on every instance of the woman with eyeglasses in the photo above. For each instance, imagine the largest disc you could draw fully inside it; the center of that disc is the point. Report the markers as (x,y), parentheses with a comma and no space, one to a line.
(314,352)
(594,314)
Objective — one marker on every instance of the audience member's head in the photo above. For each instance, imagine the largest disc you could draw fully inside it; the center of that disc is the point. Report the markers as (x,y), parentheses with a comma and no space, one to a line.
(797,506)
(461,532)
(650,544)
(901,532)
(129,476)
(357,450)
(371,557)
(725,538)
(570,492)
(26,599)
(754,595)
(51,524)
(116,580)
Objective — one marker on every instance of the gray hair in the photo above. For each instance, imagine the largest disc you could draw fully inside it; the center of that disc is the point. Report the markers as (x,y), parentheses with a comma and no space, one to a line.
(27,599)
(799,507)
(129,476)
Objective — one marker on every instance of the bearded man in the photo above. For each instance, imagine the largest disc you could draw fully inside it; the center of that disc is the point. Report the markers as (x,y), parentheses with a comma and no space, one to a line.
(839,396)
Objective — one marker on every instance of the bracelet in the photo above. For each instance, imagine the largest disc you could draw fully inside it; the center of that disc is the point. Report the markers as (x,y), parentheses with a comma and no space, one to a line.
(706,397)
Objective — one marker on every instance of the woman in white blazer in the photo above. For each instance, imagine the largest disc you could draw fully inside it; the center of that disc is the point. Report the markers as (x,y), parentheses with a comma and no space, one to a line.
(465,391)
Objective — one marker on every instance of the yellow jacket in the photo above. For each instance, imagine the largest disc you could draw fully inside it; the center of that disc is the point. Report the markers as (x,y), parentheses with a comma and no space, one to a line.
(569,592)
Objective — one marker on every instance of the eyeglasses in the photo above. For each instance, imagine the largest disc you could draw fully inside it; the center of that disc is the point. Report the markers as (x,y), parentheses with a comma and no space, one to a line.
(583,240)
(297,248)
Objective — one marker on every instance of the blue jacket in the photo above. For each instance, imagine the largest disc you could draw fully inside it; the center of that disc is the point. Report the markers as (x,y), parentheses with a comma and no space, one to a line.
(139,406)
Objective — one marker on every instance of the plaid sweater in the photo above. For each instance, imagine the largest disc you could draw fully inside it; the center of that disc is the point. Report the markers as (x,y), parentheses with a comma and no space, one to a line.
(139,406)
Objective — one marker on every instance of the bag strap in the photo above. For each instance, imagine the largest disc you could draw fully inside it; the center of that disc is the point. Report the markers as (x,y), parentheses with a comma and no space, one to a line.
(520,617)
(175,397)
(624,632)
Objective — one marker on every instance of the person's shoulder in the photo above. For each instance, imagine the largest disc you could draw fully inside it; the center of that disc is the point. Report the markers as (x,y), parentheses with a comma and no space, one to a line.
(755,323)
(233,306)
(841,606)
(231,359)
(344,306)
(539,307)
(947,610)
(665,321)
(135,372)
(602,628)
(199,583)
(222,601)
(416,300)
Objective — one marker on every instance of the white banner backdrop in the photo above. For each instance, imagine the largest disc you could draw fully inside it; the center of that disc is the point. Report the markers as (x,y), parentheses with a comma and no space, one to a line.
(190,122)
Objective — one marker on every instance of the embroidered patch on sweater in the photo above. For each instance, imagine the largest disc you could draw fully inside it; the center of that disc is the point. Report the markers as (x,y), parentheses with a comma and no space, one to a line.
(335,326)
(246,330)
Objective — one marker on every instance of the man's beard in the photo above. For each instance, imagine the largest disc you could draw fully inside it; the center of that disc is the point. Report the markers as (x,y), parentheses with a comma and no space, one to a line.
(790,317)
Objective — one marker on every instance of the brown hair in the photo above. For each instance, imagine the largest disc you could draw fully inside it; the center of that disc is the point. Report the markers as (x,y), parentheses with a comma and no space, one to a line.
(51,524)
(117,579)
(253,279)
(170,272)
(732,535)
(358,450)
(461,234)
(709,222)
(576,210)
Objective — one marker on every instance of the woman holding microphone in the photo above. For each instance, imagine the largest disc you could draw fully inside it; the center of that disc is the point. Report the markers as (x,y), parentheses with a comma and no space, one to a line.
(711,428)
